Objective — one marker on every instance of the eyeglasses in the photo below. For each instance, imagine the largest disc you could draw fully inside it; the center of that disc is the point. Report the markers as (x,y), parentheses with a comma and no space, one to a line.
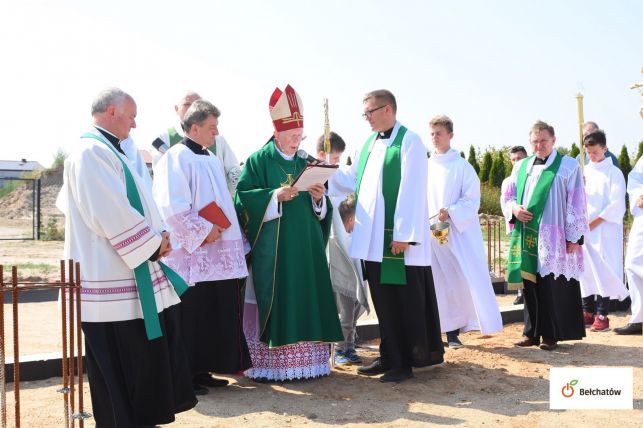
(543,141)
(368,113)
(294,137)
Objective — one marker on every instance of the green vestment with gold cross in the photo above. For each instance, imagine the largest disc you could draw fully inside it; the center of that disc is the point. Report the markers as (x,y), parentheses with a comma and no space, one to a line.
(292,283)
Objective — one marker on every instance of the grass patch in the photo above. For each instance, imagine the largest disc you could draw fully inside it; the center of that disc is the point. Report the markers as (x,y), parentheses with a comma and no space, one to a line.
(35,266)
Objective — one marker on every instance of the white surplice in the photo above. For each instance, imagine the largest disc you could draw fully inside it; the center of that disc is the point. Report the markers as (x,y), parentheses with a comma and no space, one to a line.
(564,216)
(603,246)
(229,164)
(185,182)
(411,211)
(107,236)
(131,151)
(466,299)
(634,256)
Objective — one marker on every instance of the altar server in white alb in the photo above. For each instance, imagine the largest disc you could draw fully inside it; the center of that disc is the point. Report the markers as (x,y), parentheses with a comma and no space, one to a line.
(602,278)
(221,149)
(208,255)
(466,300)
(136,363)
(391,236)
(634,254)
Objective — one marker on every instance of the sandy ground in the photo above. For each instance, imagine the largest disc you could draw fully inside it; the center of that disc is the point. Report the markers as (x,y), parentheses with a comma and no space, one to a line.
(488,382)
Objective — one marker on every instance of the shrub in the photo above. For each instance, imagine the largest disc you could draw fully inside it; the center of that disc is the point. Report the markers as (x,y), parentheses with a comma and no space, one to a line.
(497,172)
(485,169)
(51,232)
(472,159)
(639,153)
(624,161)
(490,200)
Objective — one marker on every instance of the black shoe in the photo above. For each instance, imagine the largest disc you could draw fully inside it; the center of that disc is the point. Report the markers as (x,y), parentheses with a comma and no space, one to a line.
(199,389)
(520,299)
(549,344)
(211,381)
(454,341)
(375,368)
(397,375)
(631,328)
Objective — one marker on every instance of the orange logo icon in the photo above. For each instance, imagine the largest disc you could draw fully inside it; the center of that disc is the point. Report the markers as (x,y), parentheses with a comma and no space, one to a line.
(568,389)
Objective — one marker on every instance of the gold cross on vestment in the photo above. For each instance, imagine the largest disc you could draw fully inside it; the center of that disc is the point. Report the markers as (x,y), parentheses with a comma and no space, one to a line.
(288,182)
(530,241)
(515,251)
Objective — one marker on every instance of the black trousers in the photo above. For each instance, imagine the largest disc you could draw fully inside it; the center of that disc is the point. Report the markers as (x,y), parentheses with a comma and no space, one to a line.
(596,304)
(408,318)
(134,381)
(553,308)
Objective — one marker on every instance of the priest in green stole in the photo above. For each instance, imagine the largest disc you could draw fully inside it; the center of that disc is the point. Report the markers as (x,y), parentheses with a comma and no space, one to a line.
(391,237)
(221,149)
(545,200)
(290,312)
(138,371)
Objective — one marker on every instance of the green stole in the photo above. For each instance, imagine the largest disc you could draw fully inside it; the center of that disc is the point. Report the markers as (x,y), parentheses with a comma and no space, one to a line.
(176,138)
(142,275)
(393,270)
(523,249)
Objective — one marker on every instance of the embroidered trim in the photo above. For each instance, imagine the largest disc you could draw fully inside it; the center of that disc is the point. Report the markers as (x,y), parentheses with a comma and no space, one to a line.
(131,239)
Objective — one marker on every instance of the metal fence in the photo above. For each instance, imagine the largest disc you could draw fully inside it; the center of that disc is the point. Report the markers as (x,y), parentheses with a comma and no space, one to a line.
(20,208)
(72,387)
(497,243)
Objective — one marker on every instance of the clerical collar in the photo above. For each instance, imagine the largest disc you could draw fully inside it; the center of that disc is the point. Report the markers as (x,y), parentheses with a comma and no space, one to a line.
(539,161)
(111,138)
(384,135)
(196,148)
(282,154)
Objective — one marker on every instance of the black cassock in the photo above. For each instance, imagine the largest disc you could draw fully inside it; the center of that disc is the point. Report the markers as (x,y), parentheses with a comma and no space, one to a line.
(135,381)
(408,318)
(553,308)
(212,326)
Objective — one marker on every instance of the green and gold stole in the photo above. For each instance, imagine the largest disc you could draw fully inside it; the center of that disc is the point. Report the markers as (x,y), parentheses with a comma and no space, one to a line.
(393,271)
(523,249)
(142,275)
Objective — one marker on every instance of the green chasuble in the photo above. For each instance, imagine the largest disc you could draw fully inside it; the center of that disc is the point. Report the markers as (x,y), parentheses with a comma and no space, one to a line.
(289,267)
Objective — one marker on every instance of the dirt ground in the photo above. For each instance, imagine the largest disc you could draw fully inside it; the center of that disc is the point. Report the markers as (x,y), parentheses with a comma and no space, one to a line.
(489,382)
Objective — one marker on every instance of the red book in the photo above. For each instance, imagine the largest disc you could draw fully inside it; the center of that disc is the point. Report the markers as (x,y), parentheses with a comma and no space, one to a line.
(213,213)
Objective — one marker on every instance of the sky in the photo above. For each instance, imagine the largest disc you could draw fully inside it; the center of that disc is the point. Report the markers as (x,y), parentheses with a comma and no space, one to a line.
(494,67)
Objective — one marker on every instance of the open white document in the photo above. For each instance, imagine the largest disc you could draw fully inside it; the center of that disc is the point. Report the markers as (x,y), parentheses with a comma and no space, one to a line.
(314,174)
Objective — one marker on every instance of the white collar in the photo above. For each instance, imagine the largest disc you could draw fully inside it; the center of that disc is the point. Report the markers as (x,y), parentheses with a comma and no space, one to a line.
(282,154)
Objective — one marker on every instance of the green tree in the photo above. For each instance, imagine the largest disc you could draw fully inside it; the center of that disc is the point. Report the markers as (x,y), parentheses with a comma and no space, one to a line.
(640,152)
(462,155)
(485,169)
(624,161)
(349,161)
(59,159)
(497,171)
(575,151)
(563,151)
(472,159)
